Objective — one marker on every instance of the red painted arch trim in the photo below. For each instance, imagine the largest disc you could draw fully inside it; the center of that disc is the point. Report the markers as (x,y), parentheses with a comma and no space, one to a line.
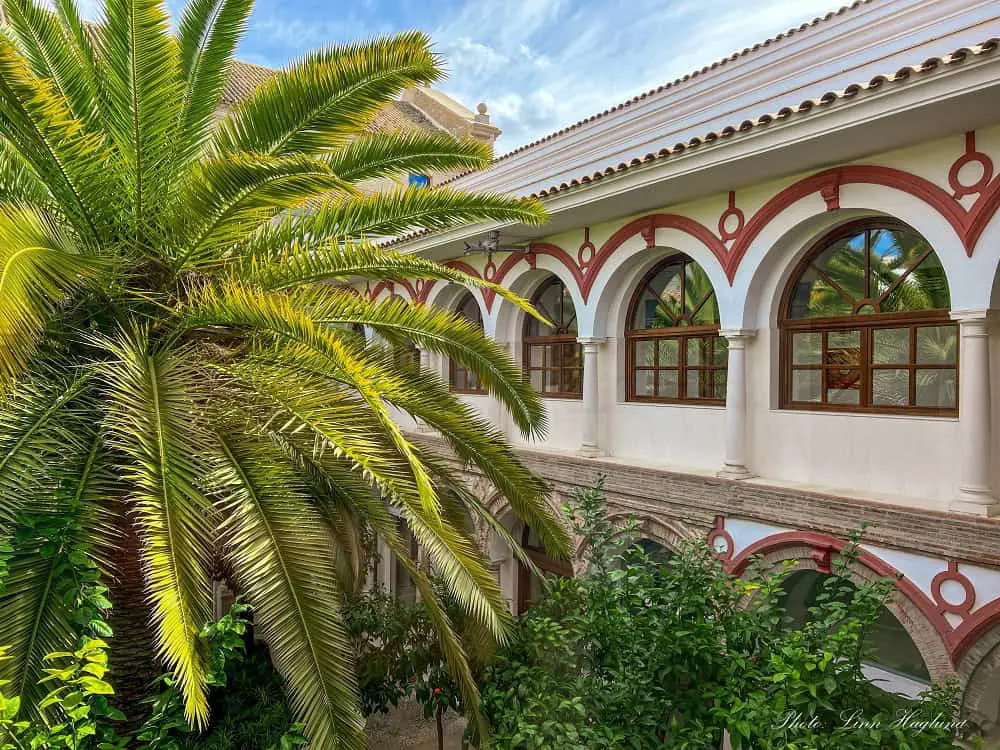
(391,286)
(974,627)
(825,542)
(831,180)
(647,226)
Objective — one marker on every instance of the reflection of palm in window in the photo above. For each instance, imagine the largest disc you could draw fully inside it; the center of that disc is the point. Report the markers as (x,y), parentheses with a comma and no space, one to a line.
(553,359)
(866,325)
(674,350)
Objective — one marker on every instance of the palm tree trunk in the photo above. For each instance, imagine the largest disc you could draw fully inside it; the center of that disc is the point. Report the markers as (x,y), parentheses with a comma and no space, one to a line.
(134,670)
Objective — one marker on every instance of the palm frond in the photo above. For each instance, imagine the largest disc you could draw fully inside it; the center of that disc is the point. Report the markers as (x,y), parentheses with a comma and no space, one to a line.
(142,64)
(50,50)
(279,317)
(371,156)
(208,33)
(39,422)
(326,99)
(36,617)
(37,122)
(289,268)
(155,400)
(81,45)
(40,264)
(283,563)
(226,196)
(18,181)
(390,213)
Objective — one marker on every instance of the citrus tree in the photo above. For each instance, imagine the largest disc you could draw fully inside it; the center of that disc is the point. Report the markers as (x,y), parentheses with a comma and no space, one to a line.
(178,346)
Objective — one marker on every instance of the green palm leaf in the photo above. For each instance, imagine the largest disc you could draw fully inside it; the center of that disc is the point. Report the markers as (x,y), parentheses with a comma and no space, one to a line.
(154,399)
(284,564)
(322,102)
(370,156)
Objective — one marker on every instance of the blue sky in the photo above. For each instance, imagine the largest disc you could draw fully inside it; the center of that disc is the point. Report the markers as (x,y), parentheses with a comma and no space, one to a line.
(538,64)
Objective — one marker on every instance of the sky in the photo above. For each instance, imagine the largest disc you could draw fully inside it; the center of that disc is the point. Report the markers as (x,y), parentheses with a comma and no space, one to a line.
(539,65)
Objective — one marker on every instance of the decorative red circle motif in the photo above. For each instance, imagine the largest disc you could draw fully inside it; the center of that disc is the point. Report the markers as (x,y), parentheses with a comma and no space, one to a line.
(963,608)
(490,272)
(717,534)
(979,185)
(726,234)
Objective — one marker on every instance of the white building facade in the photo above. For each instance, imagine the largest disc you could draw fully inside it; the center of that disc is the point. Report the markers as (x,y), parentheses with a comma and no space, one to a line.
(775,285)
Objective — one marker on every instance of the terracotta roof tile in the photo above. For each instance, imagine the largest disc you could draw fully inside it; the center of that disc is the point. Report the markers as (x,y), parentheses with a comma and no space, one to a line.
(875,85)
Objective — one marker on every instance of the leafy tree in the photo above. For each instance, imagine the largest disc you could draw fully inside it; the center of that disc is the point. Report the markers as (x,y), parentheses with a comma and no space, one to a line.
(642,654)
(399,654)
(176,341)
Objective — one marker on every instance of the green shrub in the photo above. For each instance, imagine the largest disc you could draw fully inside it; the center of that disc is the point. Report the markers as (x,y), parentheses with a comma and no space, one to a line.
(637,654)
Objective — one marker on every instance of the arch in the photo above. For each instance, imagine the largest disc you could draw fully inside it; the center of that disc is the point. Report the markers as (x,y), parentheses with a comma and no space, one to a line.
(523,278)
(403,289)
(865,325)
(670,534)
(673,351)
(894,651)
(462,379)
(924,623)
(553,357)
(980,671)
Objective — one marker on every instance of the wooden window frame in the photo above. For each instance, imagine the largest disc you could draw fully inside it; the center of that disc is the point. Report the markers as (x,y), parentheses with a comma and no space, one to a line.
(866,325)
(543,562)
(457,372)
(561,340)
(681,334)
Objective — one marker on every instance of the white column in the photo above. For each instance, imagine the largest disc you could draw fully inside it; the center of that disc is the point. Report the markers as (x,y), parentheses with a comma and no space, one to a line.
(591,397)
(975,494)
(735,458)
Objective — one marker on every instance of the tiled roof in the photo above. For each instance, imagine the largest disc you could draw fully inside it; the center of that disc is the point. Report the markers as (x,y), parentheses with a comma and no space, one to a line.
(878,84)
(394,117)
(676,82)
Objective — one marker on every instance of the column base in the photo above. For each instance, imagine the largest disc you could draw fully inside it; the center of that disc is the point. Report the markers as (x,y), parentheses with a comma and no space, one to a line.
(976,503)
(732,471)
(590,451)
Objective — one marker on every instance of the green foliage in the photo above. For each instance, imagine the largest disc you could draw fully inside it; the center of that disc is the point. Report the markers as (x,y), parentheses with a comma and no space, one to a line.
(637,654)
(249,708)
(175,338)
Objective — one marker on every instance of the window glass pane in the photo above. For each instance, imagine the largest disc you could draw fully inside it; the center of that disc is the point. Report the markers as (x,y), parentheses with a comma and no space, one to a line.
(537,379)
(667,383)
(708,314)
(925,288)
(644,382)
(552,384)
(807,348)
(807,385)
(936,389)
(891,387)
(572,355)
(890,258)
(536,356)
(719,384)
(468,308)
(697,351)
(843,348)
(660,303)
(843,386)
(937,345)
(891,346)
(571,381)
(815,298)
(668,352)
(706,384)
(720,350)
(645,353)
(553,300)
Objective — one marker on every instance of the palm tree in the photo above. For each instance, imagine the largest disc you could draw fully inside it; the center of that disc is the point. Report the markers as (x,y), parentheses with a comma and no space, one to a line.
(178,356)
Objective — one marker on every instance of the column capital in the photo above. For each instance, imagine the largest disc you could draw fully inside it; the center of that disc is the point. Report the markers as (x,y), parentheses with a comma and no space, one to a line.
(737,337)
(591,340)
(973,316)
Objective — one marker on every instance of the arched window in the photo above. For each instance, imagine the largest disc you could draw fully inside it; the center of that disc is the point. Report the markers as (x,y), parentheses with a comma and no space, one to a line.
(894,661)
(553,359)
(463,379)
(673,346)
(865,326)
(529,587)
